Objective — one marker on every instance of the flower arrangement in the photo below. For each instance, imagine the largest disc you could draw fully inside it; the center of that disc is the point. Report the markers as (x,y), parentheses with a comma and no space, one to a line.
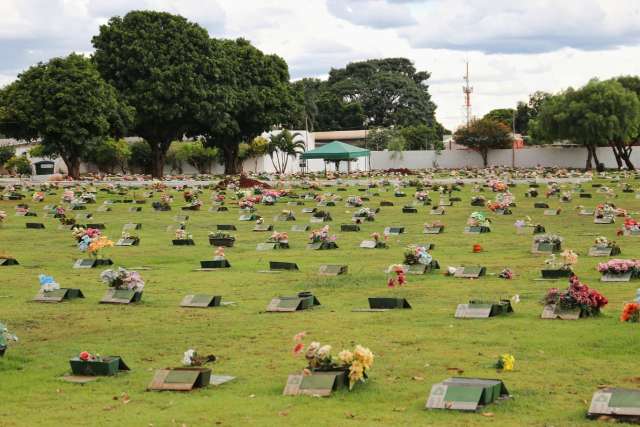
(603,242)
(357,362)
(422,196)
(552,190)
(417,255)
(497,185)
(380,239)
(5,336)
(246,204)
(354,201)
(400,277)
(619,266)
(506,362)
(365,213)
(181,234)
(577,295)
(220,235)
(631,312)
(322,235)
(38,196)
(165,199)
(567,259)
(219,254)
(47,284)
(191,358)
(434,224)
(477,219)
(531,192)
(566,196)
(548,238)
(194,204)
(278,237)
(189,196)
(60,211)
(85,356)
(219,198)
(506,274)
(123,279)
(604,210)
(68,196)
(91,240)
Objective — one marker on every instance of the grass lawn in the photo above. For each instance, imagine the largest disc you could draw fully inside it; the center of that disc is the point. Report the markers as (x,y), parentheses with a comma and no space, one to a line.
(559,364)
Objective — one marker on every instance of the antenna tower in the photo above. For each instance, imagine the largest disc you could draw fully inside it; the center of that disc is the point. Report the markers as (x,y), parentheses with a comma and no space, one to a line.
(467,90)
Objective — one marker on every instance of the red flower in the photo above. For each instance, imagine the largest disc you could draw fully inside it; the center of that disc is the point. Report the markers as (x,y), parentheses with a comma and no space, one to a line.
(298,348)
(85,355)
(391,282)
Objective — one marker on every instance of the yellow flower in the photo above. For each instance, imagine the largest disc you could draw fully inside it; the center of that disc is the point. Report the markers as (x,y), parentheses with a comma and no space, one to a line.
(508,361)
(346,357)
(356,373)
(364,356)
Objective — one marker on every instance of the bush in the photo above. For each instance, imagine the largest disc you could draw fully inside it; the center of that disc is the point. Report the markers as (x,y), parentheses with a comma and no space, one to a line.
(197,155)
(109,154)
(6,153)
(141,156)
(19,165)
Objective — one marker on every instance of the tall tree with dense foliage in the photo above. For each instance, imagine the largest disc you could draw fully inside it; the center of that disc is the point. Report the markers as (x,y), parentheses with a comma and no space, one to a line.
(258,96)
(483,135)
(66,105)
(109,154)
(162,65)
(600,113)
(502,115)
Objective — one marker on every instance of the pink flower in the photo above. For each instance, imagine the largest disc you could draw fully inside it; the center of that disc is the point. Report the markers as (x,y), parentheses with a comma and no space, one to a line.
(299,336)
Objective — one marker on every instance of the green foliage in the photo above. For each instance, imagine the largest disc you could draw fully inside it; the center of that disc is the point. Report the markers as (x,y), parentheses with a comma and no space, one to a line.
(423,137)
(281,146)
(197,155)
(141,156)
(6,153)
(19,165)
(64,103)
(600,113)
(166,67)
(482,135)
(109,154)
(258,96)
(502,115)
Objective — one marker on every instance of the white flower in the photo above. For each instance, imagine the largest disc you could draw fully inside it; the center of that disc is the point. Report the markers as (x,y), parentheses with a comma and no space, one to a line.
(188,357)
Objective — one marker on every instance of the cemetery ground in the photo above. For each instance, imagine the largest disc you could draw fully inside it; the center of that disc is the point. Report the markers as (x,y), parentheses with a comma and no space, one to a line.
(559,364)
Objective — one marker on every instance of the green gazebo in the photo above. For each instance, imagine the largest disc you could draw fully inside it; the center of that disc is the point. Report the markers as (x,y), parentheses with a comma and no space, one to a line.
(336,151)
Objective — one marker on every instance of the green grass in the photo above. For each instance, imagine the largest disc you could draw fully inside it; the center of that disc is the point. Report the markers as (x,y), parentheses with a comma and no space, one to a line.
(559,364)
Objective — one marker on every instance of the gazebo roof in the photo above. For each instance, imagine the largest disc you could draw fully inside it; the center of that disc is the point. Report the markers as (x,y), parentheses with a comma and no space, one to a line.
(336,150)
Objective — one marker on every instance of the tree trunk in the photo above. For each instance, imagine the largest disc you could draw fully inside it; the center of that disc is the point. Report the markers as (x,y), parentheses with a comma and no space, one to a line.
(587,166)
(158,155)
(616,154)
(73,166)
(485,155)
(625,154)
(230,153)
(599,167)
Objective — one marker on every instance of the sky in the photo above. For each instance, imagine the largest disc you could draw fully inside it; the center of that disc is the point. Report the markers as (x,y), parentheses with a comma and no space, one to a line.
(514,48)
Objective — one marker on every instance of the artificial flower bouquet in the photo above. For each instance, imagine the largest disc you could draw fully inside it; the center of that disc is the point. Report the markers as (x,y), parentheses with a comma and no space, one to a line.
(5,337)
(355,364)
(601,242)
(246,204)
(365,214)
(552,190)
(164,204)
(189,196)
(630,312)
(269,197)
(47,283)
(415,254)
(604,210)
(497,185)
(182,237)
(396,276)
(122,279)
(566,196)
(279,238)
(506,362)
(87,364)
(547,243)
(422,196)
(531,192)
(526,225)
(380,240)
(478,222)
(630,227)
(68,196)
(577,296)
(321,238)
(354,201)
(91,240)
(620,266)
(194,205)
(38,196)
(478,201)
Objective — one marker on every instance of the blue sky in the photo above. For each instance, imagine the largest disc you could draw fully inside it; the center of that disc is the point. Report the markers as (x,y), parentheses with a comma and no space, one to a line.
(514,48)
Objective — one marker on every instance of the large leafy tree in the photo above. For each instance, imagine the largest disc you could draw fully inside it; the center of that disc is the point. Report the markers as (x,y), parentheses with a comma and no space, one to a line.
(526,112)
(484,134)
(600,113)
(502,115)
(162,65)
(259,97)
(66,105)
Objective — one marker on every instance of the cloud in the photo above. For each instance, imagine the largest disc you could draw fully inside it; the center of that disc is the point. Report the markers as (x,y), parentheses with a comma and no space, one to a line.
(372,13)
(504,26)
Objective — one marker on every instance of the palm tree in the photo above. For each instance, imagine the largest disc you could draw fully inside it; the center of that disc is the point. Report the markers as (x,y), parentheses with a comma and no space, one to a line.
(281,146)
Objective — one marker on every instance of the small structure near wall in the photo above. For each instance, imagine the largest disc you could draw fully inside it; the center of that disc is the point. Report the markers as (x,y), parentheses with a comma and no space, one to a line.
(337,151)
(44,167)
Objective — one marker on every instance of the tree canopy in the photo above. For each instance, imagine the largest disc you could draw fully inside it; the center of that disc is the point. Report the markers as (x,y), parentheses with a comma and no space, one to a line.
(484,134)
(66,105)
(258,97)
(600,113)
(163,65)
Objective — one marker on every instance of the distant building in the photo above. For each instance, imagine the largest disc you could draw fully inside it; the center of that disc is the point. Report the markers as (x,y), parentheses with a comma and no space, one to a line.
(353,137)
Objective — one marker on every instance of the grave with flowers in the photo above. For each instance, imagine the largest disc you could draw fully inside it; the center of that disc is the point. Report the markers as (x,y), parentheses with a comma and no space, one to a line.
(364,214)
(577,301)
(182,238)
(91,241)
(435,227)
(477,223)
(604,247)
(86,364)
(325,373)
(220,238)
(320,239)
(320,216)
(51,292)
(546,244)
(378,241)
(418,260)
(5,337)
(128,239)
(619,270)
(219,260)
(559,266)
(7,260)
(124,286)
